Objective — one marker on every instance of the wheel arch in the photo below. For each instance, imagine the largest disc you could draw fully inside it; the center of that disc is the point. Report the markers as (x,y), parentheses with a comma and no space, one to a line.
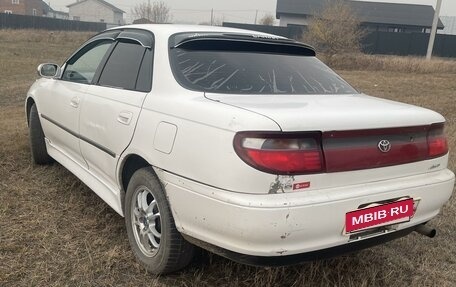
(28,106)
(128,167)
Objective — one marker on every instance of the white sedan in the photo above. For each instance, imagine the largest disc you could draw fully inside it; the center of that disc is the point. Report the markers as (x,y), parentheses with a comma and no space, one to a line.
(236,141)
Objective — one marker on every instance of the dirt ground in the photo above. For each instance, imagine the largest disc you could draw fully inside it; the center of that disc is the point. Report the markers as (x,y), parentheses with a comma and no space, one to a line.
(54,231)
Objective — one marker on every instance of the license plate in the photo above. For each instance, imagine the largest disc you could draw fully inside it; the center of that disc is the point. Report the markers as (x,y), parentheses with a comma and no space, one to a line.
(394,212)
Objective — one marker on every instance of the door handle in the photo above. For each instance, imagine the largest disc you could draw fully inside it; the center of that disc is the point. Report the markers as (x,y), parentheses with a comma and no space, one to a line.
(75,102)
(125,118)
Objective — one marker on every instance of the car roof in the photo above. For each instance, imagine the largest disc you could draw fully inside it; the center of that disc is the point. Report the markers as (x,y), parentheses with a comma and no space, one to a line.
(167,30)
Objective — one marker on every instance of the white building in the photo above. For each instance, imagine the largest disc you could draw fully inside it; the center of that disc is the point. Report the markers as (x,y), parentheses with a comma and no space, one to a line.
(96,11)
(450,25)
(51,13)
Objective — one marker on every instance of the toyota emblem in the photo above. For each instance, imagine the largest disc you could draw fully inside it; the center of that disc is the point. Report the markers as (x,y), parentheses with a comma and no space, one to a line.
(384,146)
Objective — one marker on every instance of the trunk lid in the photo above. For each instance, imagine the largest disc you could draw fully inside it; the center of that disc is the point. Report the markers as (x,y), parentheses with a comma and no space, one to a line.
(358,132)
(331,112)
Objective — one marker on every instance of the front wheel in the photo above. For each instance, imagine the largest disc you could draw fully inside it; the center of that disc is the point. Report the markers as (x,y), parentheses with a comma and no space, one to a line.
(37,142)
(153,236)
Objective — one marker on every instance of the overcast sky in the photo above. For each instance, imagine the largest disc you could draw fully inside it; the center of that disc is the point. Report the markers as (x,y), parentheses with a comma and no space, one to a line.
(244,11)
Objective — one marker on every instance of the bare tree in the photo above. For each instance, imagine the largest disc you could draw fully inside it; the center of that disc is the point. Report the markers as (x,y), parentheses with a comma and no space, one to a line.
(336,29)
(158,12)
(267,20)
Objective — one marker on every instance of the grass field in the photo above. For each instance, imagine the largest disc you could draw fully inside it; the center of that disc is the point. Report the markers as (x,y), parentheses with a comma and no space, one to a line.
(54,231)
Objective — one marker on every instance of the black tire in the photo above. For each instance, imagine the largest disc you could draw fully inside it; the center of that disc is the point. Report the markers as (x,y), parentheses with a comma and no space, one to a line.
(173,252)
(37,143)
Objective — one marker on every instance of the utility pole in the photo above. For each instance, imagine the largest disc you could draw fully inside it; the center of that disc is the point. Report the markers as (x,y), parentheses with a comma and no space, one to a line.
(256,16)
(434,30)
(212,17)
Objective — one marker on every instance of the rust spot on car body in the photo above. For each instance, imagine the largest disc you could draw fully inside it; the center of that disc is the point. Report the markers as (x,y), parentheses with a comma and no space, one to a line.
(281,183)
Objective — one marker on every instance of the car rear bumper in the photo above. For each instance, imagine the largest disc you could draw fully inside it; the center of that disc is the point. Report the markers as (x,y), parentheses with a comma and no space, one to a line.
(285,260)
(287,224)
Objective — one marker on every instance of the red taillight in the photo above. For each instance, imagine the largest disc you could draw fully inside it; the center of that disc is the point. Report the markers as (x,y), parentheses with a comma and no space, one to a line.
(339,151)
(437,142)
(281,153)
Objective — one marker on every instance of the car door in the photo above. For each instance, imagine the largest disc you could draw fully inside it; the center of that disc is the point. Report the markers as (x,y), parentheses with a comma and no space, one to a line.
(60,102)
(112,106)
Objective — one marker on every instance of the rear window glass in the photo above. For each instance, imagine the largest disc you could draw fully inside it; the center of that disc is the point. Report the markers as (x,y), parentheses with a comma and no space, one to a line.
(254,72)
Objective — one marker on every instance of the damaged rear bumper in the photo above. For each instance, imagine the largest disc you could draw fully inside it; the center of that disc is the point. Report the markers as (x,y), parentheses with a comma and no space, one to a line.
(301,257)
(300,226)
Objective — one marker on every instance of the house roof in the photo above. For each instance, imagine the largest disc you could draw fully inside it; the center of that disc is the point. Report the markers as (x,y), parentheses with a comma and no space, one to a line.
(369,12)
(46,7)
(107,4)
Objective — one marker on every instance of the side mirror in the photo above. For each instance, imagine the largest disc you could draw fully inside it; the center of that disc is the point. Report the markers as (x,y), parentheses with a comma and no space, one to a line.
(48,70)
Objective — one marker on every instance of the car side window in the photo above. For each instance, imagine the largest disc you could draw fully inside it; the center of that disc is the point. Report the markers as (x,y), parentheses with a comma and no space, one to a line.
(123,66)
(144,82)
(82,67)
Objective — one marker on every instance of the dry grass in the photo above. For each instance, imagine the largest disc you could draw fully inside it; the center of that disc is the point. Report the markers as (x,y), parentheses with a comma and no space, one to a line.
(21,51)
(416,65)
(54,231)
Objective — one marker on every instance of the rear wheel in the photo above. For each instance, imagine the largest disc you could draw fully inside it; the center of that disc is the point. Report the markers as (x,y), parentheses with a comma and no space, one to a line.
(153,236)
(37,142)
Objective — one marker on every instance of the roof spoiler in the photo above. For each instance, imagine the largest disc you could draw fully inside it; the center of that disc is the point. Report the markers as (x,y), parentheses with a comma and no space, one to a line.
(245,43)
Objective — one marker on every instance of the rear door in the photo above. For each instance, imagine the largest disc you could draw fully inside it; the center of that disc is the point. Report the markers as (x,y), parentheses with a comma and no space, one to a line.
(112,106)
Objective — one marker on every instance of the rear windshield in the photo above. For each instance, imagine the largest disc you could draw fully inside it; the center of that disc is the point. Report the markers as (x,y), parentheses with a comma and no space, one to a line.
(253,72)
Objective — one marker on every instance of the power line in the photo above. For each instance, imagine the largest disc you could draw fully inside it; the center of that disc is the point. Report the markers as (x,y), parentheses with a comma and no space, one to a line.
(238,17)
(208,10)
(222,10)
(191,12)
(211,14)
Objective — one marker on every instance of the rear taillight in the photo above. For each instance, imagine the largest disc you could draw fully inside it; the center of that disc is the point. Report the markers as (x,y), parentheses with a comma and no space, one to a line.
(281,153)
(437,142)
(339,151)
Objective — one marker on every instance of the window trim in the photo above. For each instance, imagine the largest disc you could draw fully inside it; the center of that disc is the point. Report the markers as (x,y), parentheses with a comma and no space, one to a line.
(128,33)
(151,69)
(9,12)
(15,2)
